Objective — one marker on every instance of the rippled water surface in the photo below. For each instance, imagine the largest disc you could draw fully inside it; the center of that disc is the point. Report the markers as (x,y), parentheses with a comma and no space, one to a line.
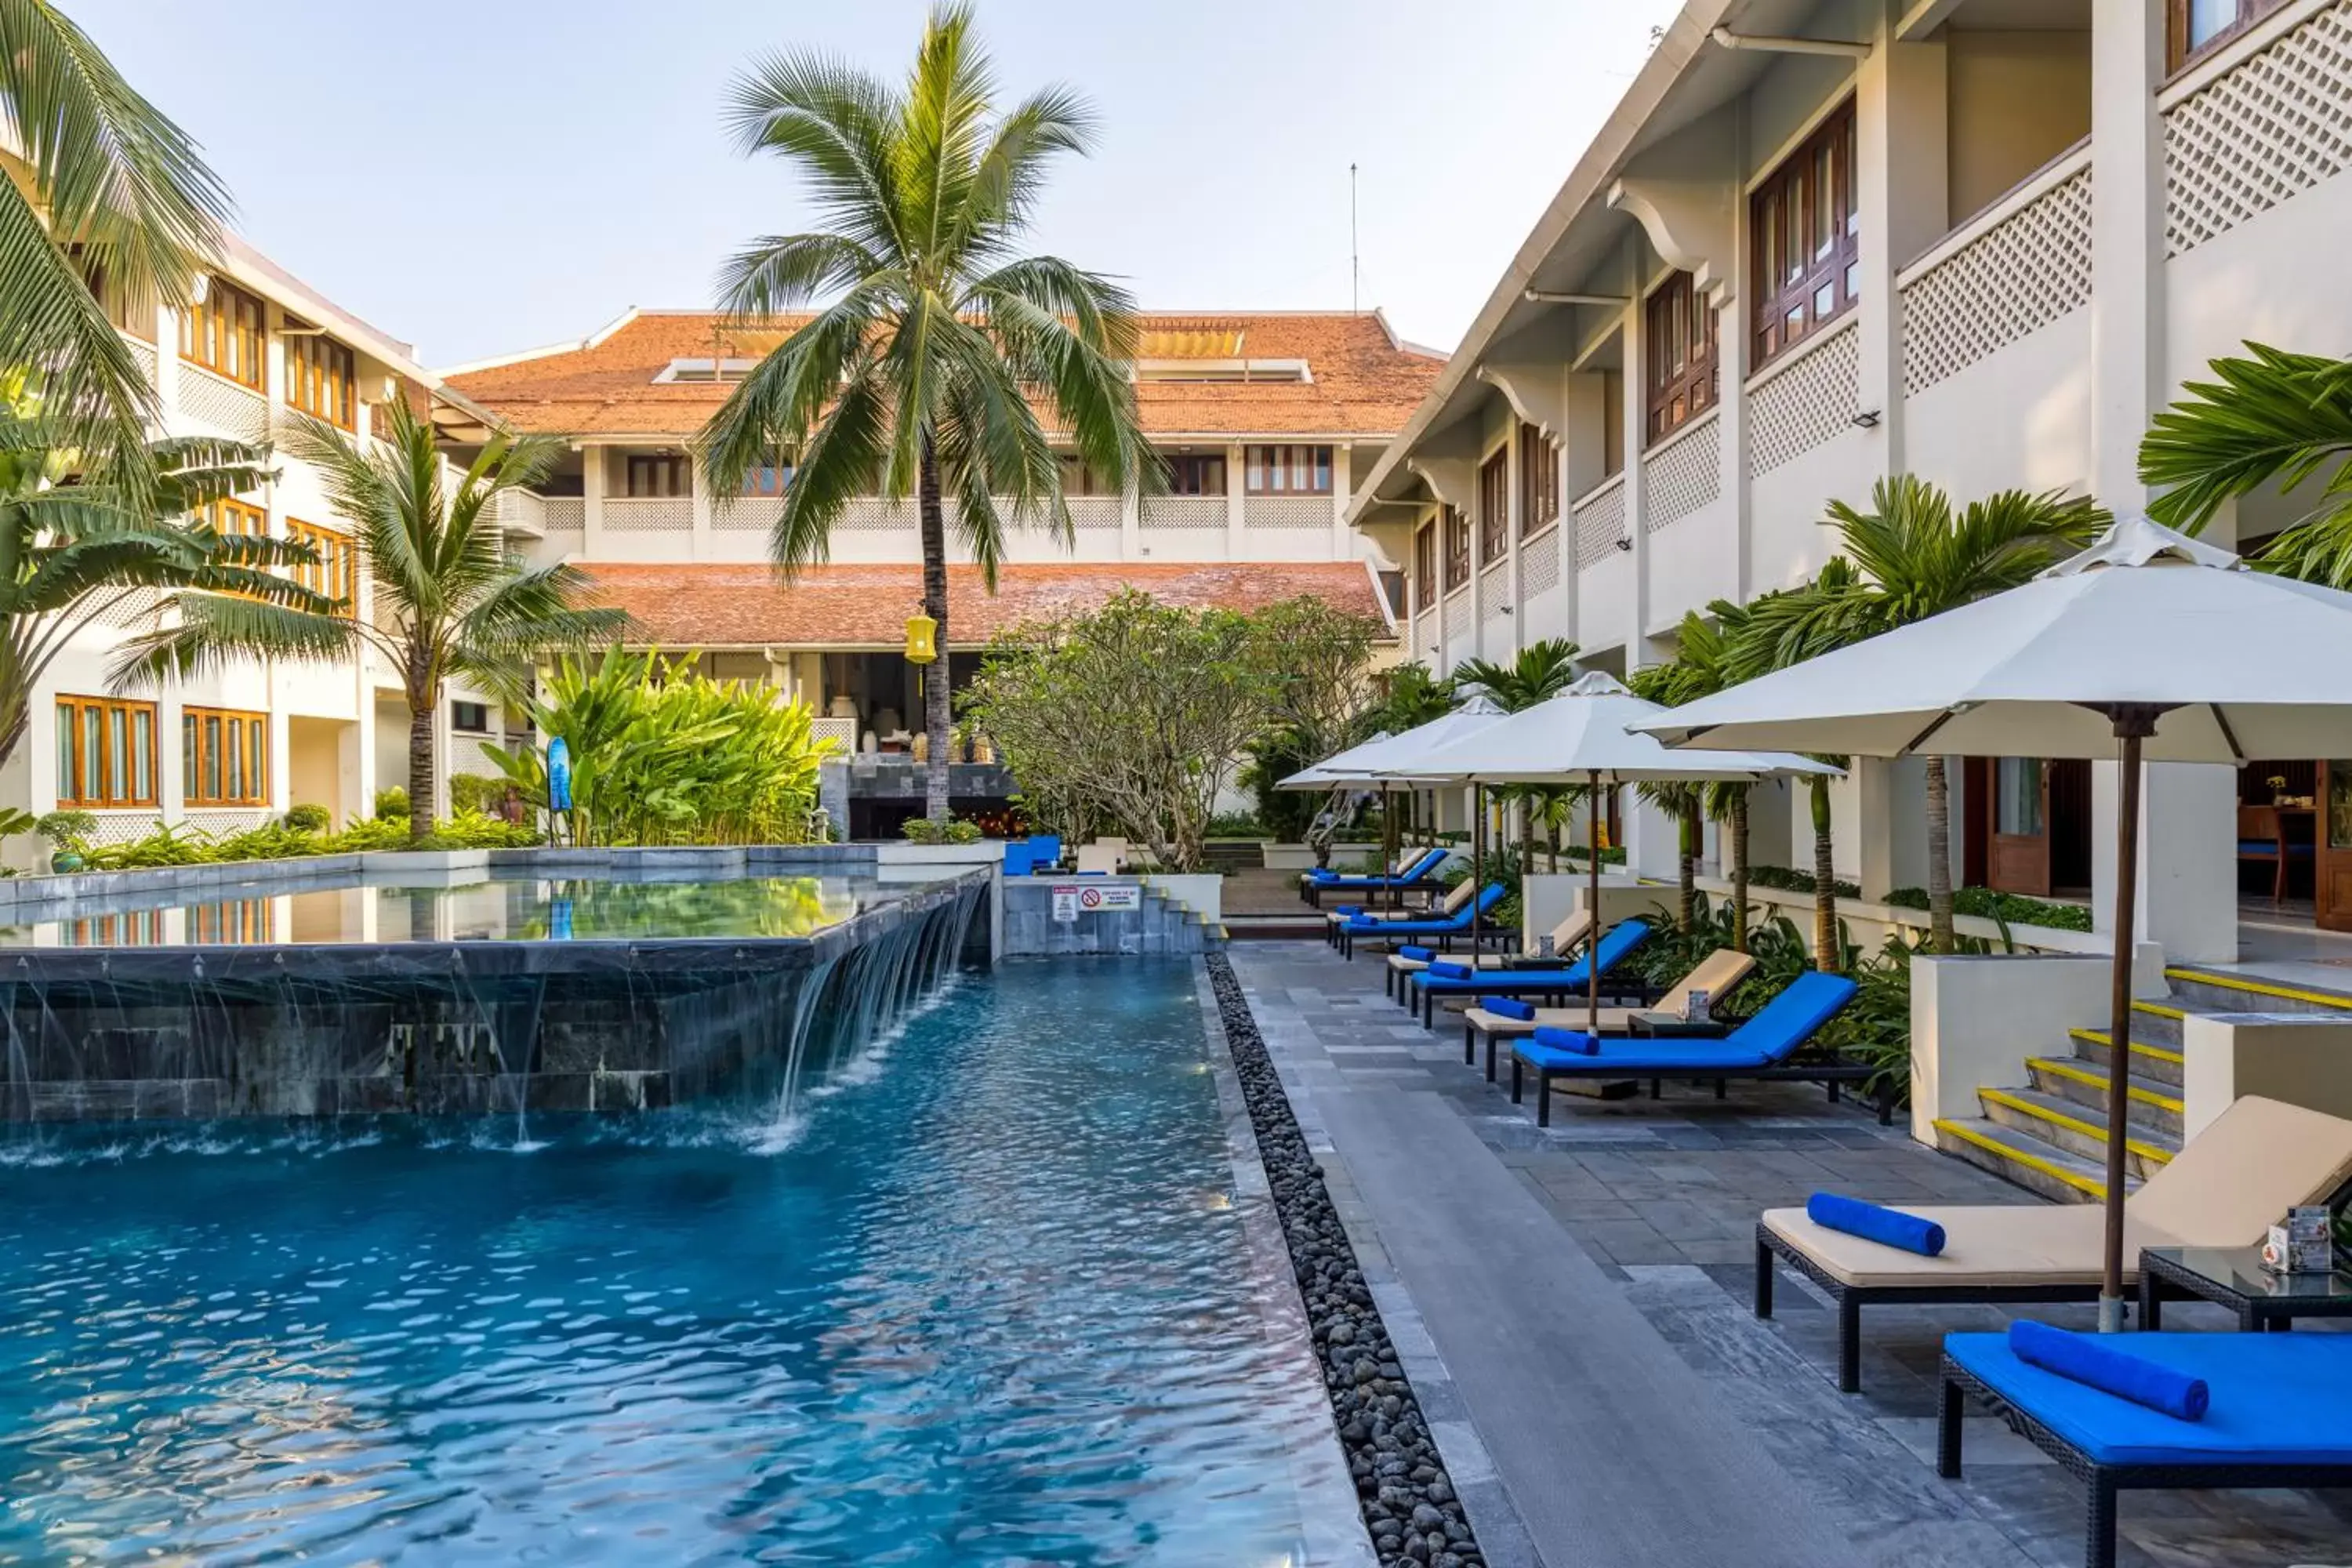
(991,1304)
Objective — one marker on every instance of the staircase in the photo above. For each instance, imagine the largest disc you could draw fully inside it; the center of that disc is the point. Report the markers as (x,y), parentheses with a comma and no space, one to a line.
(2049,1134)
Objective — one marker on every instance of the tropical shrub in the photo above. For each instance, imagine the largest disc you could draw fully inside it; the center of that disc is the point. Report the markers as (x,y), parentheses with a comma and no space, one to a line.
(924,830)
(478,794)
(1238,825)
(392,802)
(667,755)
(309,817)
(2009,908)
(185,846)
(1790,881)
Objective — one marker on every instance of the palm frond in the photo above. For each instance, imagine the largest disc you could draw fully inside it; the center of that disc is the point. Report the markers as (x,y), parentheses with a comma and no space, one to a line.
(218,631)
(2274,417)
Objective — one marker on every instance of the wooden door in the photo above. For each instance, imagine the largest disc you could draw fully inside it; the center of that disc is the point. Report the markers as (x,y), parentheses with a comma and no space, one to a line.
(2019,808)
(2331,875)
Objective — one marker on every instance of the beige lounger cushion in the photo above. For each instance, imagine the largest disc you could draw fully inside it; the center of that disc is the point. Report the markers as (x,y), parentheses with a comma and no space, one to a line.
(2259,1159)
(1717,974)
(1484,960)
(1565,936)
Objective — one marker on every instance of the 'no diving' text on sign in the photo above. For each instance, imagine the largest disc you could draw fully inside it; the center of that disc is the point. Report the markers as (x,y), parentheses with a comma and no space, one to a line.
(1074,899)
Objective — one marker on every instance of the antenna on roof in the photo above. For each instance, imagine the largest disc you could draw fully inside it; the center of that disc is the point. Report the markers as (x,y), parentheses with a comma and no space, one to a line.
(1355,258)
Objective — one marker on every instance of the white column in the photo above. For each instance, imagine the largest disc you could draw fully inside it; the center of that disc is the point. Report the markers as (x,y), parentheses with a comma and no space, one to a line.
(1342,481)
(1130,525)
(1437,660)
(2187,901)
(1236,505)
(591,503)
(1515,523)
(698,542)
(170,762)
(1636,434)
(1478,600)
(1900,123)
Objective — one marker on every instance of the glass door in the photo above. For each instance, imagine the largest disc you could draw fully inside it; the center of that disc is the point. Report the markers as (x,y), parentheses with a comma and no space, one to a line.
(2019,859)
(2331,877)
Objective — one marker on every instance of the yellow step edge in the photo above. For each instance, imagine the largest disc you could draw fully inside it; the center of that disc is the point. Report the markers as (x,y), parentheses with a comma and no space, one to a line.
(2099,1080)
(2074,1179)
(2160,1010)
(2138,1048)
(2072,1123)
(2259,987)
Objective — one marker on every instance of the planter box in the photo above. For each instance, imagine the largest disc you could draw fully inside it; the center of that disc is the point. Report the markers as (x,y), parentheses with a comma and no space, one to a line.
(425,868)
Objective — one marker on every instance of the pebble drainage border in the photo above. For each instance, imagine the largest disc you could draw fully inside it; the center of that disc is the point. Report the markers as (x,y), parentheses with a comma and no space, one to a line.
(1408,1500)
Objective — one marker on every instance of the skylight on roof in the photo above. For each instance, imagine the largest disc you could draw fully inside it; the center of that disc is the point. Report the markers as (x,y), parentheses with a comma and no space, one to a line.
(708,370)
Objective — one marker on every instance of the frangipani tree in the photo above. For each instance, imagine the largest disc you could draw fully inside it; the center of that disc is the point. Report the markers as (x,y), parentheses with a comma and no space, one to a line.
(939,352)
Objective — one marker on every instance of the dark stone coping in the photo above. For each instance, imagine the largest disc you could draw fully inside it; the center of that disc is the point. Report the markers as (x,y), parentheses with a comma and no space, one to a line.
(1407,1499)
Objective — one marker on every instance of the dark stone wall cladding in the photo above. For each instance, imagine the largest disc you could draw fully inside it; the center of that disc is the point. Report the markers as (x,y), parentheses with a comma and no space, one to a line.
(1408,1500)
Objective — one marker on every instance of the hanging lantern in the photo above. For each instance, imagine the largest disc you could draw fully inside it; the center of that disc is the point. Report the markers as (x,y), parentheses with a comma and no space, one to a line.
(922,647)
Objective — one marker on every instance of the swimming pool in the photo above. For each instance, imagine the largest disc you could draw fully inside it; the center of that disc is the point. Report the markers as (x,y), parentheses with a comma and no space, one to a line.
(994,1296)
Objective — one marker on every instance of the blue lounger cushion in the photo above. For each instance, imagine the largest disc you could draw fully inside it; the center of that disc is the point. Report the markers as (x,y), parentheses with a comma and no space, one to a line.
(1766,1040)
(1508,1007)
(1347,909)
(2102,1361)
(1615,944)
(1418,955)
(1445,969)
(1568,1042)
(1490,895)
(1889,1227)
(2274,1399)
(1654,1058)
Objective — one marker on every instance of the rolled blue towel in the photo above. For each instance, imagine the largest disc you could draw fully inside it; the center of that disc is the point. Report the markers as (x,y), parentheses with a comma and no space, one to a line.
(1508,1007)
(1322,874)
(1446,970)
(1890,1227)
(2098,1362)
(1418,955)
(1348,908)
(1575,1041)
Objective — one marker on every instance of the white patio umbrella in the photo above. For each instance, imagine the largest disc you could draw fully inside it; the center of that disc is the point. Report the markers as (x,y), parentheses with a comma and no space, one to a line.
(1376,763)
(1587,733)
(2147,647)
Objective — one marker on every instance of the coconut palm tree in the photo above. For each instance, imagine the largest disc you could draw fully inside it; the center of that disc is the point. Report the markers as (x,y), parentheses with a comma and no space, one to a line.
(450,599)
(926,370)
(1541,671)
(1913,558)
(75,546)
(1703,664)
(2273,417)
(113,202)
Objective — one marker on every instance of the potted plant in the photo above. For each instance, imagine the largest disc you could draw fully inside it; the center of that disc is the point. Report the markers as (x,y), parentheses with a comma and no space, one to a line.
(68,835)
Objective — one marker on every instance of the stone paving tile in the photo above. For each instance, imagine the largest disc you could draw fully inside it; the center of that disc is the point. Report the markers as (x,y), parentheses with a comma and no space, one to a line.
(1662,1195)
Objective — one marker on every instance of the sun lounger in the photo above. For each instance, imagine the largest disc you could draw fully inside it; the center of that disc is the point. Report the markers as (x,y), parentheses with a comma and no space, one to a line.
(1565,938)
(2259,1159)
(1456,898)
(2278,1413)
(1422,990)
(1717,974)
(1319,882)
(1759,1049)
(1455,925)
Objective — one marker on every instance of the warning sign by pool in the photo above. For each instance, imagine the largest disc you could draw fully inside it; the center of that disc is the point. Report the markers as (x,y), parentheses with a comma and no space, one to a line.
(1074,899)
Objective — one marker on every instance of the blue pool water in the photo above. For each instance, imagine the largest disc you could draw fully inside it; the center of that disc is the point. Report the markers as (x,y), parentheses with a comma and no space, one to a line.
(989,1300)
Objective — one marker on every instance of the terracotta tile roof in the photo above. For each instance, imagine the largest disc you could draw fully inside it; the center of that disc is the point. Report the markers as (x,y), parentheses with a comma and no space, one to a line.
(716,606)
(1362,382)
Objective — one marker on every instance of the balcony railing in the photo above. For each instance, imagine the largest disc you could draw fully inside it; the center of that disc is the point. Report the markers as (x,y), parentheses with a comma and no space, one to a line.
(2014,268)
(237,412)
(1287,511)
(519,511)
(1106,512)
(1600,521)
(1682,474)
(1494,590)
(649,514)
(1538,564)
(2268,117)
(564,514)
(1203,512)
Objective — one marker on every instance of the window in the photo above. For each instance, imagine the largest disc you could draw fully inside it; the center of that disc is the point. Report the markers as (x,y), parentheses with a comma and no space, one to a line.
(1804,231)
(231,922)
(227,517)
(1495,507)
(1539,481)
(2194,27)
(1457,547)
(1193,474)
(336,572)
(1079,478)
(474,718)
(770,479)
(106,752)
(224,757)
(660,476)
(1288,471)
(1424,566)
(115,300)
(224,334)
(1678,345)
(320,374)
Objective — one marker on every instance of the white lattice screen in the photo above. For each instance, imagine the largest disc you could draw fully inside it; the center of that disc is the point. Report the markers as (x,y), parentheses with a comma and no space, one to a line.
(566,514)
(649,514)
(232,410)
(1539,566)
(135,611)
(1184,511)
(1805,404)
(2278,123)
(2020,275)
(746,516)
(1106,512)
(1679,480)
(1457,612)
(1494,591)
(1287,511)
(143,353)
(221,824)
(1600,522)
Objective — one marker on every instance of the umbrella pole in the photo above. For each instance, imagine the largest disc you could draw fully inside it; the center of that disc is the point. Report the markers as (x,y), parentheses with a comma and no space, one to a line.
(1593,943)
(2134,723)
(1477,863)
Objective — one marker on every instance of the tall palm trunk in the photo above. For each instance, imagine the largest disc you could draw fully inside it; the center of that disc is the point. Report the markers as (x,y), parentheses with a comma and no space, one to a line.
(1687,827)
(1527,810)
(1740,869)
(1826,942)
(935,604)
(420,706)
(1939,856)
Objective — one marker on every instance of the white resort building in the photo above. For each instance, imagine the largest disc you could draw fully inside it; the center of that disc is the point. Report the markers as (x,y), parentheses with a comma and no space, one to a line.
(1818,243)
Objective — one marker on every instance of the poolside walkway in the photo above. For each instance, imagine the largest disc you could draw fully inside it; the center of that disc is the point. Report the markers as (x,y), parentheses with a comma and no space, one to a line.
(1573,1307)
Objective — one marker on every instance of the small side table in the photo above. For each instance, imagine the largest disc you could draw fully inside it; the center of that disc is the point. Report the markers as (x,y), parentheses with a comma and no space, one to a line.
(1674,1026)
(2233,1277)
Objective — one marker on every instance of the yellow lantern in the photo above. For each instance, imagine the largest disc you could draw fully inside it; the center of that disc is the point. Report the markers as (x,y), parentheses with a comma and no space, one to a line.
(921,646)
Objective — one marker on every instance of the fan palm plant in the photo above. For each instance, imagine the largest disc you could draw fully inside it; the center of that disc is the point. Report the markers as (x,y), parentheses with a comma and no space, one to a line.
(2274,418)
(1541,671)
(1912,557)
(113,198)
(1704,664)
(450,599)
(918,376)
(74,547)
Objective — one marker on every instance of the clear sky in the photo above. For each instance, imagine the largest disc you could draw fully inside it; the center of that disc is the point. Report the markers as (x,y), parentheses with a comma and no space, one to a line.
(487,177)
